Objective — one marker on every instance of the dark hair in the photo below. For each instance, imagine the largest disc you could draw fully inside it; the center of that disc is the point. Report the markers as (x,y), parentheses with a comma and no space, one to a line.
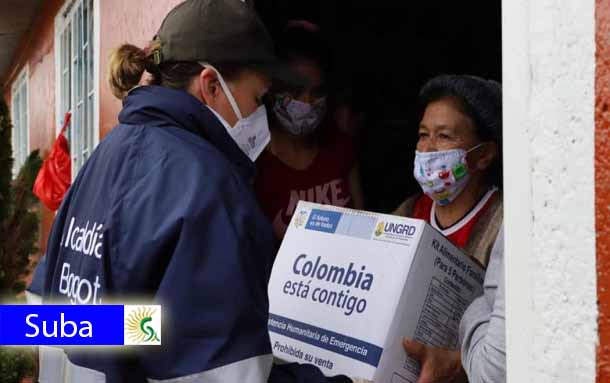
(480,100)
(299,42)
(128,63)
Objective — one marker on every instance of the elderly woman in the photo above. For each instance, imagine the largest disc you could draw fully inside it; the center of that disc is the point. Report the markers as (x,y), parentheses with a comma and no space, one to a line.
(458,165)
(458,162)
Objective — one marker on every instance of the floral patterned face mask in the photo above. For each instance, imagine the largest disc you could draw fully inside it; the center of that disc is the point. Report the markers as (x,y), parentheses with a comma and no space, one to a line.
(442,175)
(298,117)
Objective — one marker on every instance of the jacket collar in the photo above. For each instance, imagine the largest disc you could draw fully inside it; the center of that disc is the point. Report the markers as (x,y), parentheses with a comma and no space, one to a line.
(158,106)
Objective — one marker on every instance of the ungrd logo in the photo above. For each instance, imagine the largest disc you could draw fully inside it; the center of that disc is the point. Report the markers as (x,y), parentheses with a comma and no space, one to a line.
(399,228)
(143,325)
(392,228)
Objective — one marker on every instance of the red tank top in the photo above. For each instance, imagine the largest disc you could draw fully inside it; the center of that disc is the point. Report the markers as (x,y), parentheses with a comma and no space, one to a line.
(279,187)
(459,233)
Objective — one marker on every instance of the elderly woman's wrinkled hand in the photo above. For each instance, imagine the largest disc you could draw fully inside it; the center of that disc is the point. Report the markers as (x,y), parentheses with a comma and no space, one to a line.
(437,365)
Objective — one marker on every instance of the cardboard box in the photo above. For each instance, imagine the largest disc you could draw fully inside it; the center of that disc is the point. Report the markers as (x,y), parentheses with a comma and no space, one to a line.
(347,286)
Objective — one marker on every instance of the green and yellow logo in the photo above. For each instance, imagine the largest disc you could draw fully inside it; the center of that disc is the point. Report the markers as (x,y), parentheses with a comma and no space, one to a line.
(143,325)
(379,229)
(300,218)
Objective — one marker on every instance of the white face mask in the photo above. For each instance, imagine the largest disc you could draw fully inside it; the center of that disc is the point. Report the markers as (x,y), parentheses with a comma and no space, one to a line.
(251,134)
(442,175)
(297,117)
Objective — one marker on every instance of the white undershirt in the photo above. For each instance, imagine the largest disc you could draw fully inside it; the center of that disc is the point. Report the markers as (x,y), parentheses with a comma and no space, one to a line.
(462,222)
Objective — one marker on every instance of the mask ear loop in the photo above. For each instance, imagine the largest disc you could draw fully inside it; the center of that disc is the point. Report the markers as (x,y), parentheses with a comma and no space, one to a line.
(225,89)
(476,147)
(472,149)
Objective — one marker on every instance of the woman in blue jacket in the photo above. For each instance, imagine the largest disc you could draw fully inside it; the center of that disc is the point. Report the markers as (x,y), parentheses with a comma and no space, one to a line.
(164,209)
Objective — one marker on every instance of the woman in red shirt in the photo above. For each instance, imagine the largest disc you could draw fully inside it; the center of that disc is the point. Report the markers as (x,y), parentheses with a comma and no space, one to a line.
(308,158)
(458,162)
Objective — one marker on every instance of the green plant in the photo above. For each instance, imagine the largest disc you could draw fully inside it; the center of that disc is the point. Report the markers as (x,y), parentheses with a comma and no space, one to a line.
(18,220)
(18,236)
(16,364)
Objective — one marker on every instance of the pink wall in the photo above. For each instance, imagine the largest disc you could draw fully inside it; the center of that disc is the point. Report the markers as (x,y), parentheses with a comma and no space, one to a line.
(36,49)
(134,22)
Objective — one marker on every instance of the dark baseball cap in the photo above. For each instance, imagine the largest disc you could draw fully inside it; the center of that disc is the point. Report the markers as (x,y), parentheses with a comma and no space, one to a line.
(221,32)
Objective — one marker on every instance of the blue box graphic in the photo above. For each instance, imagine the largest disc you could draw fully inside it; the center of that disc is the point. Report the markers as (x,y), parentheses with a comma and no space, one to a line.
(323,220)
(328,340)
(62,325)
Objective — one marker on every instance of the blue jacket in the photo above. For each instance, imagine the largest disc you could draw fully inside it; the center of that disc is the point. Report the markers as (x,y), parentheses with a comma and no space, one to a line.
(164,208)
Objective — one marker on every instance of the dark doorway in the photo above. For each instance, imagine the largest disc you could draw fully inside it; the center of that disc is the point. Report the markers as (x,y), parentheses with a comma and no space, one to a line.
(383,51)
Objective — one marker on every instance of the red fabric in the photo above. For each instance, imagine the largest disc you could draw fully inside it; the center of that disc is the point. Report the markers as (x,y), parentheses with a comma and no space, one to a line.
(55,175)
(423,207)
(326,181)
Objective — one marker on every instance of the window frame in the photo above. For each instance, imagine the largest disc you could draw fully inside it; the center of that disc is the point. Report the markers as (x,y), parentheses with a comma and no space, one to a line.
(63,21)
(21,82)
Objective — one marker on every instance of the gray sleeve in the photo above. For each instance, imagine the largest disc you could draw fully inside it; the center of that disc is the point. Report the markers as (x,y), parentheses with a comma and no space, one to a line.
(482,331)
